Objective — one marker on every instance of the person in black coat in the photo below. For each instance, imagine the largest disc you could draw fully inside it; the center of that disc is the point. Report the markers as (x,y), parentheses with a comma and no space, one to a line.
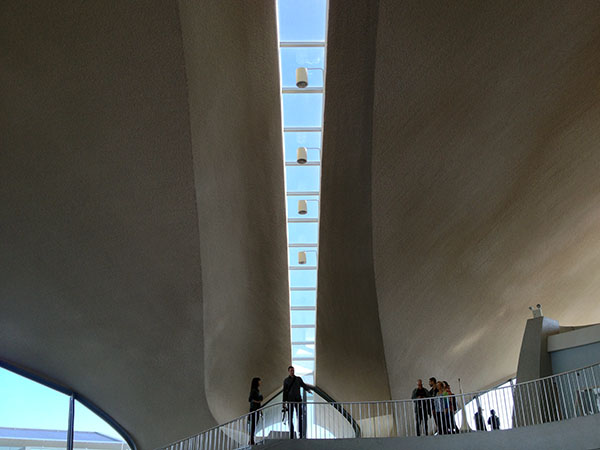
(291,393)
(421,406)
(255,398)
(479,420)
(494,420)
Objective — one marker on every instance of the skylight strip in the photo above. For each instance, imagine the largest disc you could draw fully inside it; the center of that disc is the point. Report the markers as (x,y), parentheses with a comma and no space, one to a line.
(302,26)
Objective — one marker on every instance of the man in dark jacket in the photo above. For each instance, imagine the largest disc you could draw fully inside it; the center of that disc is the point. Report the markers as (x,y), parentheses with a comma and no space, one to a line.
(494,420)
(421,410)
(291,393)
(432,393)
(479,420)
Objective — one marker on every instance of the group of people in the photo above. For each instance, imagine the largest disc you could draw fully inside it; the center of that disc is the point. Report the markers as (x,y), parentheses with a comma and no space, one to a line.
(439,402)
(291,398)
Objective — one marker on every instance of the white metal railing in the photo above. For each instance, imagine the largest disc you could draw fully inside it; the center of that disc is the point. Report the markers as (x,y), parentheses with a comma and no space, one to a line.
(555,398)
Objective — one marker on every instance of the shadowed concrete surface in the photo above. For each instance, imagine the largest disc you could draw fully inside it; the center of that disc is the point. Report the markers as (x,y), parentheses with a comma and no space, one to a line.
(581,433)
(129,163)
(484,182)
(238,162)
(350,358)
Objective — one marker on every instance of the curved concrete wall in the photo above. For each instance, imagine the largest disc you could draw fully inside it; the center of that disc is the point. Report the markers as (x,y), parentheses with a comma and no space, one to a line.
(235,113)
(485,118)
(350,359)
(139,265)
(483,184)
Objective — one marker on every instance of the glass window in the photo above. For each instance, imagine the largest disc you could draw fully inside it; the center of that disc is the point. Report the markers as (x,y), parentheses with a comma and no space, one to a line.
(499,399)
(303,298)
(302,21)
(309,379)
(302,178)
(295,139)
(303,334)
(303,317)
(303,278)
(303,233)
(294,57)
(302,110)
(90,431)
(39,414)
(303,368)
(303,351)
(33,409)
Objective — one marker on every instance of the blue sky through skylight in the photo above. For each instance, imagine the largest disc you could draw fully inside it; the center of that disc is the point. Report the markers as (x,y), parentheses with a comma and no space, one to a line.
(293,140)
(294,57)
(302,110)
(303,178)
(300,22)
(303,298)
(303,278)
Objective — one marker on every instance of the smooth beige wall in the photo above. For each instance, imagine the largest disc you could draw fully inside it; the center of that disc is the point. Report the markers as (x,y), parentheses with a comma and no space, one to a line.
(350,360)
(232,68)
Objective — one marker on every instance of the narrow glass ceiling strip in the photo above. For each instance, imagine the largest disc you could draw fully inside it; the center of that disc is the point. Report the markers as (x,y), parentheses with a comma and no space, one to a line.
(302,34)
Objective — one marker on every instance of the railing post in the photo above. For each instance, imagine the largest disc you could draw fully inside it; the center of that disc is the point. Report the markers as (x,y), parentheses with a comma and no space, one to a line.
(464,427)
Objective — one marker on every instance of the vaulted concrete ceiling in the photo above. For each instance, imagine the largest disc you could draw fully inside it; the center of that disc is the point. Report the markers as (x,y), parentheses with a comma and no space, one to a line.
(461,164)
(143,258)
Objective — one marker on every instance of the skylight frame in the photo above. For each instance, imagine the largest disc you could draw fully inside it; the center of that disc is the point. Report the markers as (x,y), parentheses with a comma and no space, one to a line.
(290,194)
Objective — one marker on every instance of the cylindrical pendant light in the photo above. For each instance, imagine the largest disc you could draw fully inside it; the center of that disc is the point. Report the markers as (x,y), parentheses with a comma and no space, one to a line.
(301,155)
(301,257)
(301,77)
(302,207)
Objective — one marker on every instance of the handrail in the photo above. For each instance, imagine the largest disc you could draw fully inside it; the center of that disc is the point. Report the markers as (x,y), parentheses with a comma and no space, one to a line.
(330,400)
(553,398)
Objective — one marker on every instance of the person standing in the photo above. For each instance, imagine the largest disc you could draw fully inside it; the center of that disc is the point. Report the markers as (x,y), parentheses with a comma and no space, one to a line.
(420,394)
(479,420)
(441,409)
(292,398)
(255,398)
(451,409)
(432,393)
(494,420)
